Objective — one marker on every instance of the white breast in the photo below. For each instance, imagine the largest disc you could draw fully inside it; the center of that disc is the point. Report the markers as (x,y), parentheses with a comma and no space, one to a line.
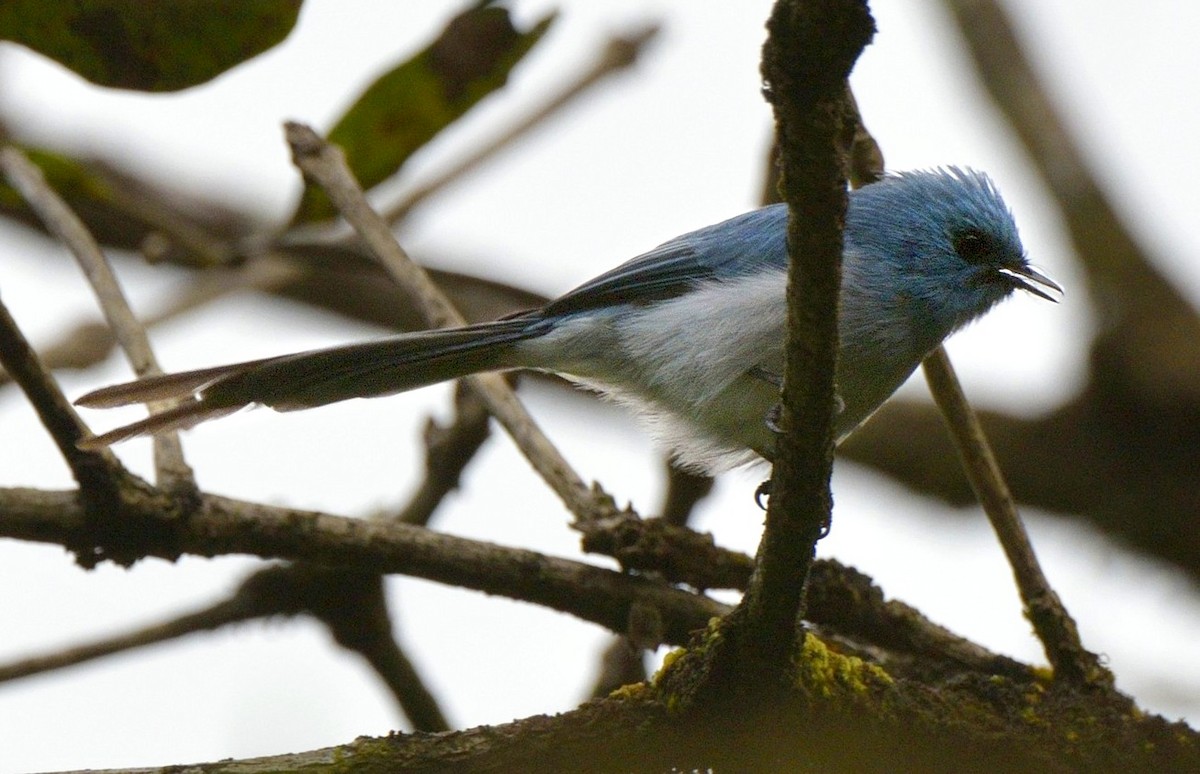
(683,363)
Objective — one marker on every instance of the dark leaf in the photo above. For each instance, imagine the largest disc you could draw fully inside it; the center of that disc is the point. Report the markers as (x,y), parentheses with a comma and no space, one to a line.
(148,46)
(407,106)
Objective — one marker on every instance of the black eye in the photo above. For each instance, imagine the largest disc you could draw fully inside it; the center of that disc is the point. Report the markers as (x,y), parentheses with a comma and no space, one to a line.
(974,247)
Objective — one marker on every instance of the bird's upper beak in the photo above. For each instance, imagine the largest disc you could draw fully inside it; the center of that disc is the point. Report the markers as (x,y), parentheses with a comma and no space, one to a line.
(1028,278)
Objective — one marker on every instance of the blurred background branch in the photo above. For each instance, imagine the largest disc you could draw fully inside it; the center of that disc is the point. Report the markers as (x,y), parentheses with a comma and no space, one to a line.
(1124,452)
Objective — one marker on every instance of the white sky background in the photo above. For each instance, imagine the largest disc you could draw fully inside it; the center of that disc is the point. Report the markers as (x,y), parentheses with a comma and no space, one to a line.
(675,145)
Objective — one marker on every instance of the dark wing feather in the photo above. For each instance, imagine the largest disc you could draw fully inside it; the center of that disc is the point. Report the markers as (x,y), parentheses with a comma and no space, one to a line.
(729,249)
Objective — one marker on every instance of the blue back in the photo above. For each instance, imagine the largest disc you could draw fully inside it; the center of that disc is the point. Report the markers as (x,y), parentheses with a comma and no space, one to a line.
(731,248)
(904,223)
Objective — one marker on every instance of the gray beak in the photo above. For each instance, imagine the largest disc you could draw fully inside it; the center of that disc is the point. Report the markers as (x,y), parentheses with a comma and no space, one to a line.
(1028,278)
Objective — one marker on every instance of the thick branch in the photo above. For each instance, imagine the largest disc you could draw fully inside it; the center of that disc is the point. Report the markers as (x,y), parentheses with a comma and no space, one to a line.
(809,53)
(848,725)
(223,526)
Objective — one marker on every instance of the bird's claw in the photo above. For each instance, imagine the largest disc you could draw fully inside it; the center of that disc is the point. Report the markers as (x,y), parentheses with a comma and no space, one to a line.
(770,377)
(764,490)
(774,419)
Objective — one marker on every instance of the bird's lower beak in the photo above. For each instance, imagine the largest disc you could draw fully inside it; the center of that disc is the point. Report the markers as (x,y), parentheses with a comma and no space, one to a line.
(1030,279)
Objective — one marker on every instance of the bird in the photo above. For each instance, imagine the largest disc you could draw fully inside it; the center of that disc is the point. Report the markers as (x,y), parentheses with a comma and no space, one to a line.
(690,335)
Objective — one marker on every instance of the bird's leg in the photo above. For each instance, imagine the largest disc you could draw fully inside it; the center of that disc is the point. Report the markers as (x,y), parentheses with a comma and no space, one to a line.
(774,423)
(776,381)
(763,375)
(772,419)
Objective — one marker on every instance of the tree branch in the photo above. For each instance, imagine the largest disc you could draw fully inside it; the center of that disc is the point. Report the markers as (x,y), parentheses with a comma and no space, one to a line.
(206,619)
(620,53)
(810,50)
(326,166)
(173,472)
(850,725)
(221,526)
(1053,624)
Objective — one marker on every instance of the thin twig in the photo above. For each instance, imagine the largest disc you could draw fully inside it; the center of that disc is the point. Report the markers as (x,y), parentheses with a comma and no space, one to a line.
(89,343)
(621,52)
(90,468)
(326,165)
(207,619)
(350,602)
(1053,624)
(448,449)
(173,472)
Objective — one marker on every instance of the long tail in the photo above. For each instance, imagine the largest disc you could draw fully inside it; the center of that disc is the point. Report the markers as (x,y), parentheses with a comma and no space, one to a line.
(315,378)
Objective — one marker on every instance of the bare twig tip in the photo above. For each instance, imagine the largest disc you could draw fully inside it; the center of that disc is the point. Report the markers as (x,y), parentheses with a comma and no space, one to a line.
(302,139)
(623,50)
(90,443)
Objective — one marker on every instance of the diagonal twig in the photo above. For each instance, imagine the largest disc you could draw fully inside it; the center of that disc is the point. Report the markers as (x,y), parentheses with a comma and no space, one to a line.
(173,472)
(207,619)
(618,54)
(1053,624)
(90,468)
(350,602)
(326,165)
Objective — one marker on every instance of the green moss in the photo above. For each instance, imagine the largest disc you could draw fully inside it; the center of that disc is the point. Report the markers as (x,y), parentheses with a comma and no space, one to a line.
(631,692)
(1042,674)
(712,634)
(361,754)
(668,661)
(1031,716)
(827,673)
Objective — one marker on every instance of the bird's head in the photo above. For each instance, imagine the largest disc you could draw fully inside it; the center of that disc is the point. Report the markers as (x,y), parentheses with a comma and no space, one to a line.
(945,240)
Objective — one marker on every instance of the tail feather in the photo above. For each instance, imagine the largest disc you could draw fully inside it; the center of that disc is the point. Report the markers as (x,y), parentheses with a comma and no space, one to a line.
(180,417)
(316,378)
(160,387)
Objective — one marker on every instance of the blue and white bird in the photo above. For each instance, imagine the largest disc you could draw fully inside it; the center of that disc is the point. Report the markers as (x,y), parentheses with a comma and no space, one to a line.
(690,334)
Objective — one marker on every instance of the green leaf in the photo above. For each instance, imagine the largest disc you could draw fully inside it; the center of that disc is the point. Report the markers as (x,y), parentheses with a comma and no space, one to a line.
(407,106)
(148,45)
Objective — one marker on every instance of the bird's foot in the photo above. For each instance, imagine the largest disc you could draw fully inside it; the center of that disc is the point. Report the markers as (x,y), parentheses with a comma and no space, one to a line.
(774,419)
(770,377)
(764,490)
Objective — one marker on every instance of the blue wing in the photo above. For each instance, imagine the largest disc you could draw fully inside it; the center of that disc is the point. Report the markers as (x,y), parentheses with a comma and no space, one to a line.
(729,249)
